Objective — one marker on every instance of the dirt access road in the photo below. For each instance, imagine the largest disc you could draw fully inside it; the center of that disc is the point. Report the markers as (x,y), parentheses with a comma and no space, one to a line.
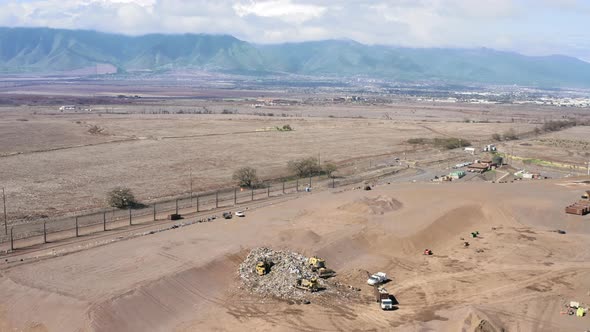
(516,275)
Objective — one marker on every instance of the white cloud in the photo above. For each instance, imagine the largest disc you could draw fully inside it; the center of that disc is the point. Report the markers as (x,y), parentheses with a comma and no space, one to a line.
(530,26)
(284,10)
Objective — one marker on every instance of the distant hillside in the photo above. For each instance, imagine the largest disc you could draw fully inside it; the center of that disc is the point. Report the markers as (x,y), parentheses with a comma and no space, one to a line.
(42,50)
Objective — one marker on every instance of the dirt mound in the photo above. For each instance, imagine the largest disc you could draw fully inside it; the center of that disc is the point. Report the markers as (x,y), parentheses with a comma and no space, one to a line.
(373,205)
(286,268)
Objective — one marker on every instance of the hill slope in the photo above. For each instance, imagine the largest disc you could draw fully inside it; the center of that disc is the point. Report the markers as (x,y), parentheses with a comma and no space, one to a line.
(43,50)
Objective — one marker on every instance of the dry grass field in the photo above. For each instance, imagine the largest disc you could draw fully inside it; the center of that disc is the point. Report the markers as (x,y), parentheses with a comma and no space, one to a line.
(56,163)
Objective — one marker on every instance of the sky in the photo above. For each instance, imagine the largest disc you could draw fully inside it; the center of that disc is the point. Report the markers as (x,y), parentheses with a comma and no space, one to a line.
(532,27)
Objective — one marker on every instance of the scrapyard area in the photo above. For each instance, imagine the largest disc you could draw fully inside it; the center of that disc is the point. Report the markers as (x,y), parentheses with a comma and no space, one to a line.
(518,272)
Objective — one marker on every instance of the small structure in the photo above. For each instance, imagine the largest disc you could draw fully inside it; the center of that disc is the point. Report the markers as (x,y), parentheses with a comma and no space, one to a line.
(470,150)
(479,168)
(67,108)
(456,175)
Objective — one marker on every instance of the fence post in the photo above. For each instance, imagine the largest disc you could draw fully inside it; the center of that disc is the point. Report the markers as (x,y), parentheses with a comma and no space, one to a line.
(104,221)
(235,196)
(268,191)
(11,239)
(297,185)
(198,204)
(283,187)
(154,211)
(310,181)
(130,221)
(44,232)
(252,194)
(216,199)
(77,234)
(177,206)
(333,183)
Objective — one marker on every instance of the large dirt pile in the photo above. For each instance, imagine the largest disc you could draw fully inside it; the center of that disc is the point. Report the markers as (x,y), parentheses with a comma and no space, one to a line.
(373,205)
(287,267)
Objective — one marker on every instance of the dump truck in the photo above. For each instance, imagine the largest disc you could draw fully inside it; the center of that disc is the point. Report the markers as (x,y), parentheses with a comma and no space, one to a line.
(262,267)
(310,285)
(383,298)
(319,265)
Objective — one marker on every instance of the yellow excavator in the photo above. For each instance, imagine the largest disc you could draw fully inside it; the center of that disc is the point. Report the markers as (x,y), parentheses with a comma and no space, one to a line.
(310,285)
(262,267)
(319,265)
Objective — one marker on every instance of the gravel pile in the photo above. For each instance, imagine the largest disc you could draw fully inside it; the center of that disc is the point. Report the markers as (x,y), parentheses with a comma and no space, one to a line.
(287,268)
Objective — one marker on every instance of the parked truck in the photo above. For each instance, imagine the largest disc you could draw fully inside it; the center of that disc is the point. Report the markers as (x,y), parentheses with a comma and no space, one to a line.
(383,298)
(377,278)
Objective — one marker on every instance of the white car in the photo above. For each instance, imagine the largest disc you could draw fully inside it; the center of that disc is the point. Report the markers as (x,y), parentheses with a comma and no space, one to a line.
(377,278)
(240,214)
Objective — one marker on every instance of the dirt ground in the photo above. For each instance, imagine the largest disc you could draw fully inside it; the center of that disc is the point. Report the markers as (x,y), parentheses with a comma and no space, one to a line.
(515,276)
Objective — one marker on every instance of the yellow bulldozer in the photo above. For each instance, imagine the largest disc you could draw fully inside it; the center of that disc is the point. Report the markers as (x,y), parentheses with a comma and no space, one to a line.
(310,285)
(262,267)
(319,265)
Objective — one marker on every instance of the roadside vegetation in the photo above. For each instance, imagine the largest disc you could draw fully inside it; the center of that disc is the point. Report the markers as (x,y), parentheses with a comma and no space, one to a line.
(246,177)
(441,143)
(121,198)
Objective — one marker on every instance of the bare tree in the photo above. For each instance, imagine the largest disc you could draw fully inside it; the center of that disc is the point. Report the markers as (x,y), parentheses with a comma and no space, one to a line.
(330,168)
(246,177)
(121,197)
(304,167)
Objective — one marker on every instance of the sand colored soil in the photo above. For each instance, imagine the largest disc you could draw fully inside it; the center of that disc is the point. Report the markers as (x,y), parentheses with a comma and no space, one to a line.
(373,205)
(515,276)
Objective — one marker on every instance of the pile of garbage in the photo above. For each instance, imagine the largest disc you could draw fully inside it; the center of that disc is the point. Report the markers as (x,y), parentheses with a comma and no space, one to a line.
(286,267)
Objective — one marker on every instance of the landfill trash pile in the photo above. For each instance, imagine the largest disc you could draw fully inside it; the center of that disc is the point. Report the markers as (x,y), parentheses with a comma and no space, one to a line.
(286,267)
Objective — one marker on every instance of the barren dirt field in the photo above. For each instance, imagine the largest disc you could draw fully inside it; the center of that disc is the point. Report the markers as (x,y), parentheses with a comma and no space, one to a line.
(516,276)
(53,163)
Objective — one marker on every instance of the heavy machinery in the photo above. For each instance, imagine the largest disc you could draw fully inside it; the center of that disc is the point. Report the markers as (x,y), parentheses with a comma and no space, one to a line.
(586,195)
(319,265)
(310,285)
(263,267)
(383,298)
(227,215)
(377,278)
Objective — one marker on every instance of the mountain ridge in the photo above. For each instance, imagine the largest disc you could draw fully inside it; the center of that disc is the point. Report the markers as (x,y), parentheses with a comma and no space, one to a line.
(46,50)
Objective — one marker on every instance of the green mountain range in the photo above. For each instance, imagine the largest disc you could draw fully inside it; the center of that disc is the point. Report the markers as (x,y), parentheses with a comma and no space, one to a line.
(44,50)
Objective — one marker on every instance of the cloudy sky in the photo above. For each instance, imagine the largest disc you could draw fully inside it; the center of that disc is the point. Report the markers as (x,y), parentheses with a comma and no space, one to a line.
(535,27)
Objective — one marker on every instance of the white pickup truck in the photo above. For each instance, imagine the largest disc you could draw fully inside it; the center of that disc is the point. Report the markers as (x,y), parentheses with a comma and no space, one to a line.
(377,278)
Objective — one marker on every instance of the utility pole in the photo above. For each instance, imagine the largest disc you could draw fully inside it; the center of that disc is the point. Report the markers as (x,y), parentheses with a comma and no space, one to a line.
(5,219)
(190,172)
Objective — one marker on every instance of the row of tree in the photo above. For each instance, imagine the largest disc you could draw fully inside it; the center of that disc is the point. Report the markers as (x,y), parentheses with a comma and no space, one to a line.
(246,177)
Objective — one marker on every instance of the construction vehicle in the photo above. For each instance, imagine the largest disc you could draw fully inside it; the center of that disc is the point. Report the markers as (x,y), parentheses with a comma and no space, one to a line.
(377,278)
(310,285)
(489,148)
(227,215)
(318,265)
(383,298)
(586,195)
(263,267)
